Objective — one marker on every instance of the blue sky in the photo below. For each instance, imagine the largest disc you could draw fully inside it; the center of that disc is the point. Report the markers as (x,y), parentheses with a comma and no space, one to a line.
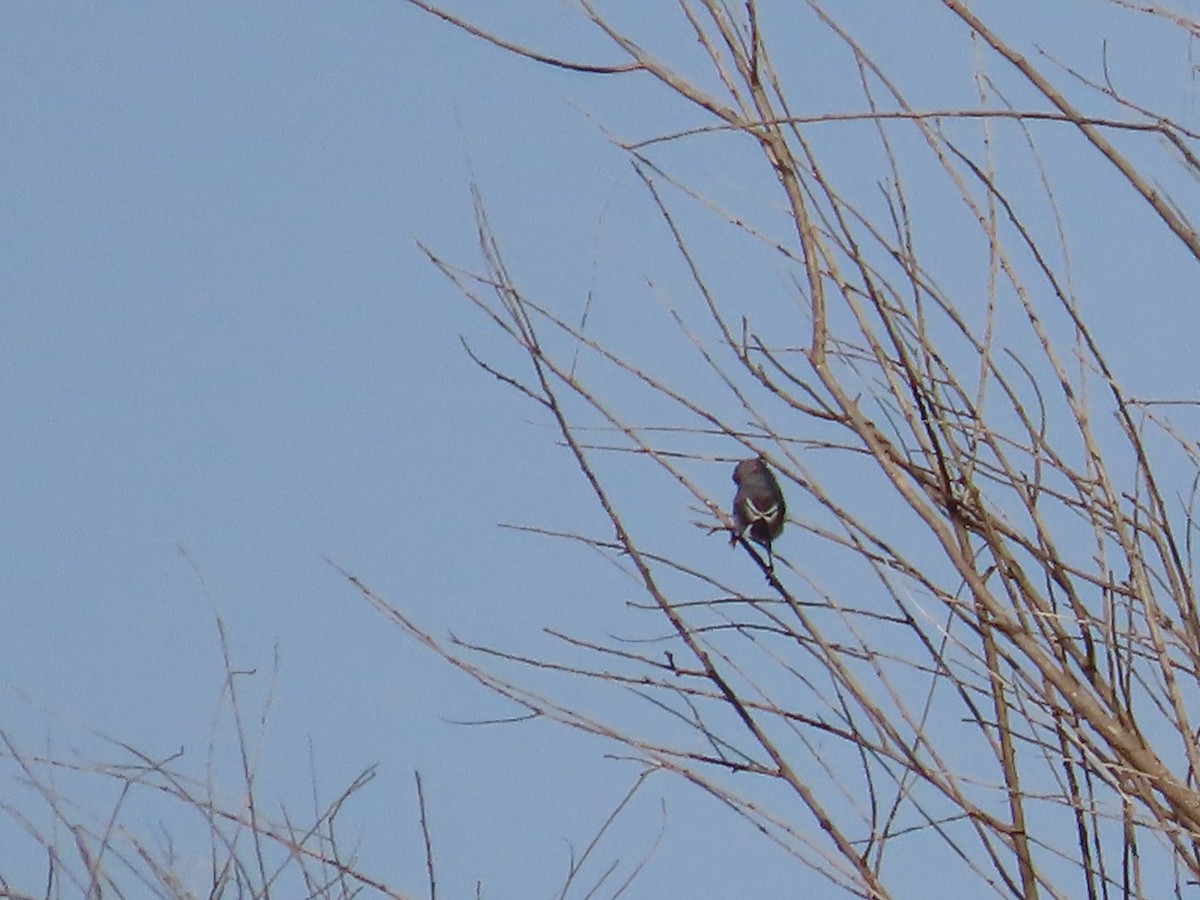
(217,333)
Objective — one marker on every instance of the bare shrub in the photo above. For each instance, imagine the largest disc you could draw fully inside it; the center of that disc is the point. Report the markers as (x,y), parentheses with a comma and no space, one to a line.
(986,651)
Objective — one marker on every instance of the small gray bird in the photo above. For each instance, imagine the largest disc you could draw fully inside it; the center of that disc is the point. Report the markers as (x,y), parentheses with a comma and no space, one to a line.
(758,504)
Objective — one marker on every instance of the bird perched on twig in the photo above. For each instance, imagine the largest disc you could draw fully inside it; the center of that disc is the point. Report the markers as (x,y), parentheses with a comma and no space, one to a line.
(758,504)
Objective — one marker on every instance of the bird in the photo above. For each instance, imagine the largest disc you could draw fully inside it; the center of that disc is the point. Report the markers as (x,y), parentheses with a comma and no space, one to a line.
(758,504)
